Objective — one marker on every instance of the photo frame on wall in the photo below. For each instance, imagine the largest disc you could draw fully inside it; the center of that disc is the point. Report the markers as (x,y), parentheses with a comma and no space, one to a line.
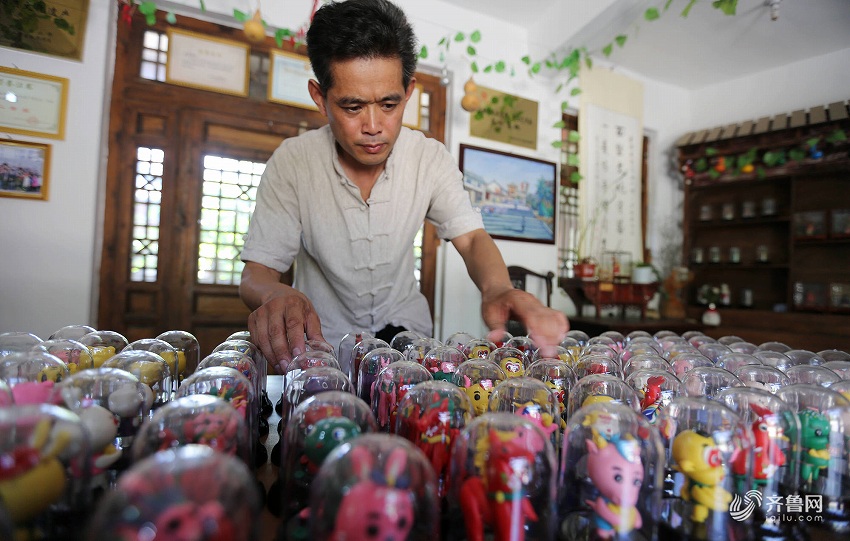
(288,77)
(24,169)
(34,103)
(207,62)
(515,194)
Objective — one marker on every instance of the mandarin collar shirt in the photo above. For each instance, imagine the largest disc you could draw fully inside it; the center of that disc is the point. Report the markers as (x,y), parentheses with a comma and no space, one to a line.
(354,259)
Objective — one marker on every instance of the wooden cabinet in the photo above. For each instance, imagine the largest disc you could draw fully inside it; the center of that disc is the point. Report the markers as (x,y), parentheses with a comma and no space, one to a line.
(767,227)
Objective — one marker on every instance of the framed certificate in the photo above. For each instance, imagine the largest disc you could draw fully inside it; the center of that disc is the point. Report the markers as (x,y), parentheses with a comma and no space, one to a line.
(288,77)
(207,62)
(32,103)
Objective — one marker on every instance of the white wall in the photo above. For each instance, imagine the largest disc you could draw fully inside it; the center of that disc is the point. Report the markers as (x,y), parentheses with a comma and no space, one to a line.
(47,268)
(799,85)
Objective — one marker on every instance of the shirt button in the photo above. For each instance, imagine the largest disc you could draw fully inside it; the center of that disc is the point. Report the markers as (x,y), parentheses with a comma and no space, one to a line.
(371,237)
(371,267)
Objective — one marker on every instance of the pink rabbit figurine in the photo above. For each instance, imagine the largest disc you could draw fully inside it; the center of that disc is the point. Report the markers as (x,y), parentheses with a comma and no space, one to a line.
(378,506)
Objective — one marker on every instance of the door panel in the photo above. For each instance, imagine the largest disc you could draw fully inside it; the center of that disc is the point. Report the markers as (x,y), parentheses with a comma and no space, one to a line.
(181,177)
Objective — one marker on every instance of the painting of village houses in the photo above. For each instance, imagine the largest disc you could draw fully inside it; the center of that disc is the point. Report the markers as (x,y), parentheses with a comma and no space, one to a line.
(515,194)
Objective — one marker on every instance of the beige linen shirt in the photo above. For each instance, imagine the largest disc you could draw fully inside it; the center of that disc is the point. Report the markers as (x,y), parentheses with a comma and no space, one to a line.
(355,258)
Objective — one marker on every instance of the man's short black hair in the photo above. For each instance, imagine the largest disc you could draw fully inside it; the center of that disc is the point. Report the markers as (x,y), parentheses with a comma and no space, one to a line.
(360,29)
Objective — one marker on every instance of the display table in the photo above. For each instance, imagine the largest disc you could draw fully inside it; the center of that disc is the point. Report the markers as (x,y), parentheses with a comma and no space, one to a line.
(597,293)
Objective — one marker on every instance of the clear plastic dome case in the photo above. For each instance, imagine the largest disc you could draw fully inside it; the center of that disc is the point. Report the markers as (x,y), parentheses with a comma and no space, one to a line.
(253,352)
(572,346)
(403,339)
(150,368)
(523,343)
(230,385)
(74,354)
(597,388)
(188,352)
(372,363)
(458,339)
(813,374)
(358,351)
(733,361)
(503,483)
(32,375)
(419,348)
(643,361)
(685,362)
(558,376)
(580,336)
(477,378)
(45,471)
(165,350)
(532,399)
(346,347)
(702,440)
(431,415)
(320,424)
(376,486)
(311,382)
(103,345)
(117,391)
(762,377)
(817,471)
(509,359)
(774,359)
(655,388)
(308,359)
(610,482)
(709,381)
(773,427)
(190,492)
(773,345)
(590,364)
(71,332)
(17,342)
(478,348)
(391,384)
(197,419)
(442,362)
(743,347)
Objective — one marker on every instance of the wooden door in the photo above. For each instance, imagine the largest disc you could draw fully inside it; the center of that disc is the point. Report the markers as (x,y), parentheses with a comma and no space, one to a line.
(181,180)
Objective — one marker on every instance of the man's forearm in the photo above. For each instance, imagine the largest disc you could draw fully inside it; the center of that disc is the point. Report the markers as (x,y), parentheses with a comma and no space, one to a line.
(484,263)
(258,284)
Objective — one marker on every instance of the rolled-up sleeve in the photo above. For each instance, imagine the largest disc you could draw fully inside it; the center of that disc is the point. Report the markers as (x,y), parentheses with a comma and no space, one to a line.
(450,209)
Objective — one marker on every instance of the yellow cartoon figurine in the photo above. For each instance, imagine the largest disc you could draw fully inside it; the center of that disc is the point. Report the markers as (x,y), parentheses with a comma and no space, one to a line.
(512,366)
(696,455)
(479,394)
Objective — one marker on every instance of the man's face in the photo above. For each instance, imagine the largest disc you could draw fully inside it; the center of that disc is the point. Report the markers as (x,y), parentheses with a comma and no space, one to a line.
(364,108)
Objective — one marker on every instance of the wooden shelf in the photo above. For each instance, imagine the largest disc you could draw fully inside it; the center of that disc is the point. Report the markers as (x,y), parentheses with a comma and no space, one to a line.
(797,186)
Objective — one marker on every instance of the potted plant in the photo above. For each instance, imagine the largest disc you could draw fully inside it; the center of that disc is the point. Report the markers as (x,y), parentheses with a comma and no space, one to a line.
(645,273)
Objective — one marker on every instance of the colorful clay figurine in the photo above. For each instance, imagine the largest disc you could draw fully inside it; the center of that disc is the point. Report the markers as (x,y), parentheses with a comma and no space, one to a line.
(31,476)
(325,436)
(478,393)
(616,470)
(435,436)
(767,457)
(378,506)
(498,500)
(652,399)
(814,440)
(536,414)
(697,456)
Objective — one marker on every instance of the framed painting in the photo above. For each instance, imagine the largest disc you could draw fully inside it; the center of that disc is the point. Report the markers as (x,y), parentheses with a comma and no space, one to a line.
(288,77)
(515,194)
(24,169)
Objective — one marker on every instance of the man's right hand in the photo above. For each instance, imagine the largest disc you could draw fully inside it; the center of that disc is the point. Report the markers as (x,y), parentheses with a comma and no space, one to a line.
(281,318)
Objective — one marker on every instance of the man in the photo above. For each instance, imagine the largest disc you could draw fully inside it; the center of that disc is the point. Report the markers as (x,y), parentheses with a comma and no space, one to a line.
(345,202)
